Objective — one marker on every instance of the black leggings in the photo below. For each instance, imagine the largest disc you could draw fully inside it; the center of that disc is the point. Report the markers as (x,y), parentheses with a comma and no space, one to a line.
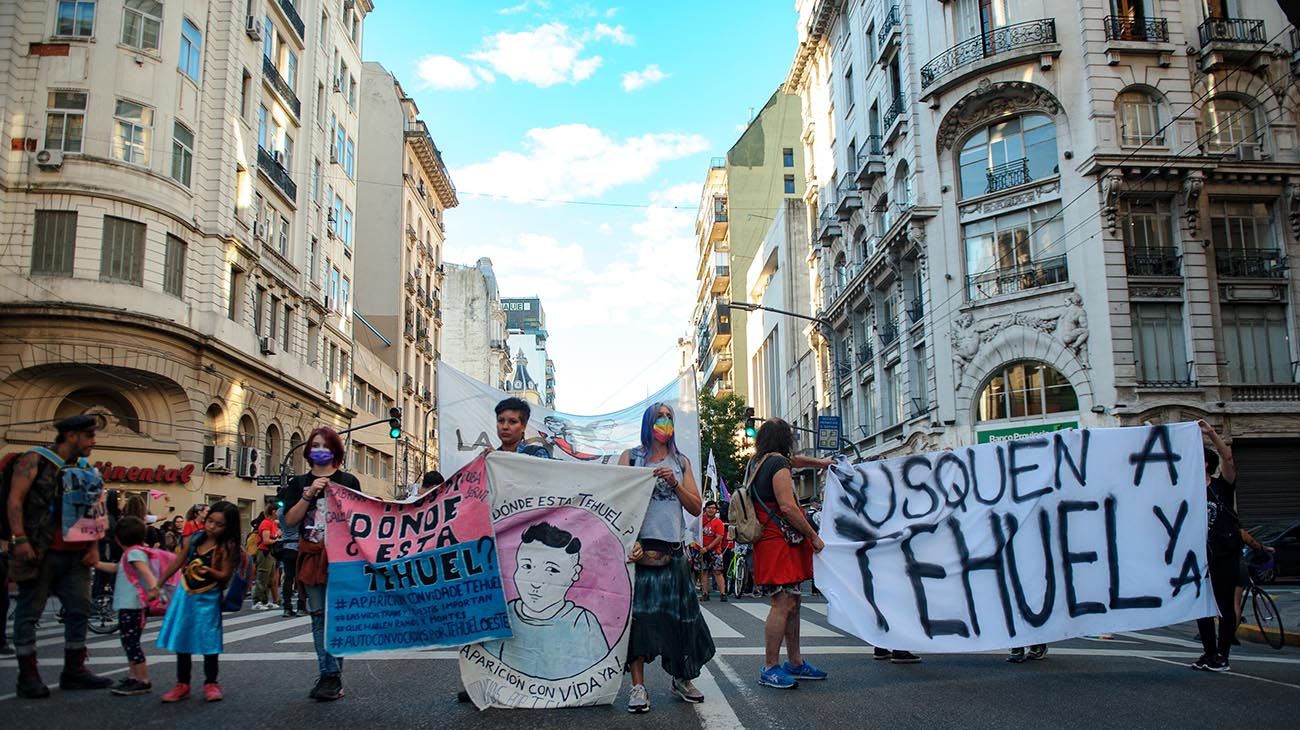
(131,624)
(183,668)
(1223,581)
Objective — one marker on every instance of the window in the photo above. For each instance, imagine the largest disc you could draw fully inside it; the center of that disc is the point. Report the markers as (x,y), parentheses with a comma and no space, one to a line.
(349,159)
(352,92)
(1158,343)
(259,296)
(288,151)
(191,50)
(174,266)
(65,118)
(313,343)
(262,124)
(1147,226)
(1008,153)
(283,243)
(1014,252)
(848,89)
(182,153)
(1245,243)
(340,143)
(268,38)
(1229,122)
(787,157)
(334,287)
(890,393)
(789,184)
(142,24)
(273,331)
(122,257)
(291,69)
(315,179)
(902,187)
(245,88)
(337,218)
(312,251)
(232,294)
(286,329)
(841,272)
(1256,343)
(1026,389)
(345,292)
(919,376)
(54,242)
(76,19)
(1139,119)
(132,132)
(347,227)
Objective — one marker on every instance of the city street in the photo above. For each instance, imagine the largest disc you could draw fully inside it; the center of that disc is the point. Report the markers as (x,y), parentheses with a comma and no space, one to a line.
(1136,679)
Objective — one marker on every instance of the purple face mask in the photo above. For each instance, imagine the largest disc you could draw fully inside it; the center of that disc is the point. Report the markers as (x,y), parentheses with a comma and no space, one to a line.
(320,457)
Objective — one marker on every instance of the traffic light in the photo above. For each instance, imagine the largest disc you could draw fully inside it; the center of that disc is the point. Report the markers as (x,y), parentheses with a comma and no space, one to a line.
(395,422)
(751,424)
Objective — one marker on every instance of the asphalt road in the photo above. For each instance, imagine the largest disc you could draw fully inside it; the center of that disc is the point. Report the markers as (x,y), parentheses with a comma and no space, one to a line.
(1124,681)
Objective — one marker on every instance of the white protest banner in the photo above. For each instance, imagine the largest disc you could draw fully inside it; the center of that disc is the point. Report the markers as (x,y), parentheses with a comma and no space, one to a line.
(564,531)
(467,424)
(1023,542)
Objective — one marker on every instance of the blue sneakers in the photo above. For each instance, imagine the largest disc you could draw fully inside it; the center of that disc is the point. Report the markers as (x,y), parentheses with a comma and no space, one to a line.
(803,671)
(776,677)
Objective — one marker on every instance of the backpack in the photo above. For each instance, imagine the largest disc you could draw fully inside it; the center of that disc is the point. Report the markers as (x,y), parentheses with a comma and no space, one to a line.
(158,560)
(743,514)
(241,581)
(252,542)
(80,496)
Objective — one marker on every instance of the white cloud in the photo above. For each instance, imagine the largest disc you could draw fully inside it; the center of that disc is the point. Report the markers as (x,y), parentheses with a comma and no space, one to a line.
(445,72)
(633,80)
(485,74)
(544,56)
(524,6)
(573,161)
(616,34)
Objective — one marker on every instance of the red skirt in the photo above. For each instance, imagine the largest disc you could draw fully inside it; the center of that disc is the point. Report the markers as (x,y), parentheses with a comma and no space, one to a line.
(776,562)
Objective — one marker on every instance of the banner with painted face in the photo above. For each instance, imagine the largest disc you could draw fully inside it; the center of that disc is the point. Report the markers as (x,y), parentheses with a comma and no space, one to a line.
(415,574)
(564,531)
(1016,543)
(467,424)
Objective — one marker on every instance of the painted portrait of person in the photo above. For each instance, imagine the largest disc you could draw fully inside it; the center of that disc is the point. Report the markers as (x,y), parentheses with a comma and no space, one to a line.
(554,637)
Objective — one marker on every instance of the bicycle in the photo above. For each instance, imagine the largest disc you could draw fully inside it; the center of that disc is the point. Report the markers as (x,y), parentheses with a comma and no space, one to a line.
(1263,609)
(102,618)
(736,570)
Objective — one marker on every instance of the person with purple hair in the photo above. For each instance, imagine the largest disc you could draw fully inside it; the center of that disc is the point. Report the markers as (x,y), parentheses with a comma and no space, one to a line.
(666,618)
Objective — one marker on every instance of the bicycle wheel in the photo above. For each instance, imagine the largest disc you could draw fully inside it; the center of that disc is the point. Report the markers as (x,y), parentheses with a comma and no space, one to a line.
(1267,618)
(102,619)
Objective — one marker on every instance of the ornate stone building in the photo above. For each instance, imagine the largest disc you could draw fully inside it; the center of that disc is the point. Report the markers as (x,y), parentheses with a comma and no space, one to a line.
(1033,216)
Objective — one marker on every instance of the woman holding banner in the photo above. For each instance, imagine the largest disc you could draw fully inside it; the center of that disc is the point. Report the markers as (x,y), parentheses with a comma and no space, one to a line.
(306,508)
(666,619)
(782,554)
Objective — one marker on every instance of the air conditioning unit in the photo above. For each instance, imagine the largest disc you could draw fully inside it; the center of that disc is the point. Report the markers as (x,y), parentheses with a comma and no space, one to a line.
(253,27)
(267,345)
(216,459)
(1248,152)
(279,157)
(334,155)
(259,231)
(49,159)
(249,462)
(327,302)
(338,84)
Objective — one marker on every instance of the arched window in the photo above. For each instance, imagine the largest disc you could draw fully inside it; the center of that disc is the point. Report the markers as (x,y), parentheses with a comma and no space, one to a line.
(1140,119)
(860,243)
(1229,122)
(902,187)
(215,423)
(884,216)
(841,272)
(1027,388)
(274,449)
(101,402)
(1008,153)
(247,431)
(296,463)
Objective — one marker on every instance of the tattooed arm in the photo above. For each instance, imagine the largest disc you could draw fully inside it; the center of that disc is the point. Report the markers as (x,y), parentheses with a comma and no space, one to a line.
(23,476)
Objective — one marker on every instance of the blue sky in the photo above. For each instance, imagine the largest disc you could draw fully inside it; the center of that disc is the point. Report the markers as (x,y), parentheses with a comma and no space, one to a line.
(578,135)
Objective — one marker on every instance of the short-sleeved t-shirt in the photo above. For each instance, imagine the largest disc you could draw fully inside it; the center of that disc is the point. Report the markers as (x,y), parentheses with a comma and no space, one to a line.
(125,596)
(766,473)
(267,525)
(312,527)
(713,529)
(1224,536)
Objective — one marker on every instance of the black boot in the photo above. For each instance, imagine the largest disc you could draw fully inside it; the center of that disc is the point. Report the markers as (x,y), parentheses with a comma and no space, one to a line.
(76,676)
(30,685)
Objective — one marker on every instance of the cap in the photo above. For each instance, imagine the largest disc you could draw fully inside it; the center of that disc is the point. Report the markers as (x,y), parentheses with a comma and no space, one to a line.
(77,423)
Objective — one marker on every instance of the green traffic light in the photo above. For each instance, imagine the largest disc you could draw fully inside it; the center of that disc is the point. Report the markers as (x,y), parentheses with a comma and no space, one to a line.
(750,431)
(395,432)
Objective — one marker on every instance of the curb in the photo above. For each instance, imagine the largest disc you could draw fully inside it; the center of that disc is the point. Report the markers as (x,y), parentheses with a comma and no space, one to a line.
(1250,632)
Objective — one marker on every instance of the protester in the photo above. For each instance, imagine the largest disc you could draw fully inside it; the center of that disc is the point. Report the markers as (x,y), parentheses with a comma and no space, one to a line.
(130,535)
(288,558)
(512,423)
(715,538)
(268,534)
(194,518)
(42,562)
(1223,550)
(1019,655)
(431,480)
(782,555)
(666,618)
(5,648)
(171,536)
(192,624)
(307,509)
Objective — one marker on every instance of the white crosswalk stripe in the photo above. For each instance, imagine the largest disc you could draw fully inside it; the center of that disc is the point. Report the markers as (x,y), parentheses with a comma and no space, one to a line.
(718,627)
(807,629)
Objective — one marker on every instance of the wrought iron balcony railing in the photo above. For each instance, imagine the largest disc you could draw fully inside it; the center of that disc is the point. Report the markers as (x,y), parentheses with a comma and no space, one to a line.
(267,163)
(892,19)
(916,309)
(290,12)
(1233,30)
(985,45)
(1009,175)
(888,333)
(865,355)
(1017,278)
(281,87)
(1119,28)
(1257,264)
(1156,261)
(894,111)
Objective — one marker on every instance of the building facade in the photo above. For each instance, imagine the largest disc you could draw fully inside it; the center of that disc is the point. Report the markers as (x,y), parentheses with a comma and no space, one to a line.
(403,302)
(526,331)
(474,324)
(742,193)
(167,261)
(1031,216)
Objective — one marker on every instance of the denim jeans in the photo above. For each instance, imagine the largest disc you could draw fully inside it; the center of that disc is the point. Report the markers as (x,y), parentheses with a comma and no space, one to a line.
(289,569)
(63,574)
(327,662)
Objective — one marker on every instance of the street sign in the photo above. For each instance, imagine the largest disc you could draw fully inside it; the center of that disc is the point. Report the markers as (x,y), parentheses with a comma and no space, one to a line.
(828,433)
(268,480)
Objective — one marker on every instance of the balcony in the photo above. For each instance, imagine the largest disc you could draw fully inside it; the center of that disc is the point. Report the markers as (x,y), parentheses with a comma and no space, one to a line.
(409,331)
(828,226)
(281,87)
(1229,42)
(291,15)
(1010,280)
(865,355)
(721,279)
(888,333)
(893,113)
(849,199)
(717,364)
(1155,261)
(1150,30)
(408,384)
(428,302)
(276,173)
(1005,41)
(871,163)
(410,283)
(1270,392)
(1008,175)
(1261,263)
(889,37)
(717,223)
(916,309)
(1232,30)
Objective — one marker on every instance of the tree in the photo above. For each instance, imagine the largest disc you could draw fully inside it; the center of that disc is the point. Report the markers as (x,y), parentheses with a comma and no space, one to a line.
(721,418)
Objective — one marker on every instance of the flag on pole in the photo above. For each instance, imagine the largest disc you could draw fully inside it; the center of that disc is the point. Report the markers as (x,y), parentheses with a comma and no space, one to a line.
(712,471)
(722,489)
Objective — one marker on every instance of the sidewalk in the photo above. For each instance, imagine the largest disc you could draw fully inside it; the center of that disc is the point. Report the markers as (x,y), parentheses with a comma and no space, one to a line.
(1287,598)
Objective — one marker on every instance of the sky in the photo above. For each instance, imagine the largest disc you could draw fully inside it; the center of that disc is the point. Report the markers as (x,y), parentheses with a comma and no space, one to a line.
(578,135)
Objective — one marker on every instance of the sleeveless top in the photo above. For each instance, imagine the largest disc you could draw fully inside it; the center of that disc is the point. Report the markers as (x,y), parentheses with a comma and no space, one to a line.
(663,516)
(195,583)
